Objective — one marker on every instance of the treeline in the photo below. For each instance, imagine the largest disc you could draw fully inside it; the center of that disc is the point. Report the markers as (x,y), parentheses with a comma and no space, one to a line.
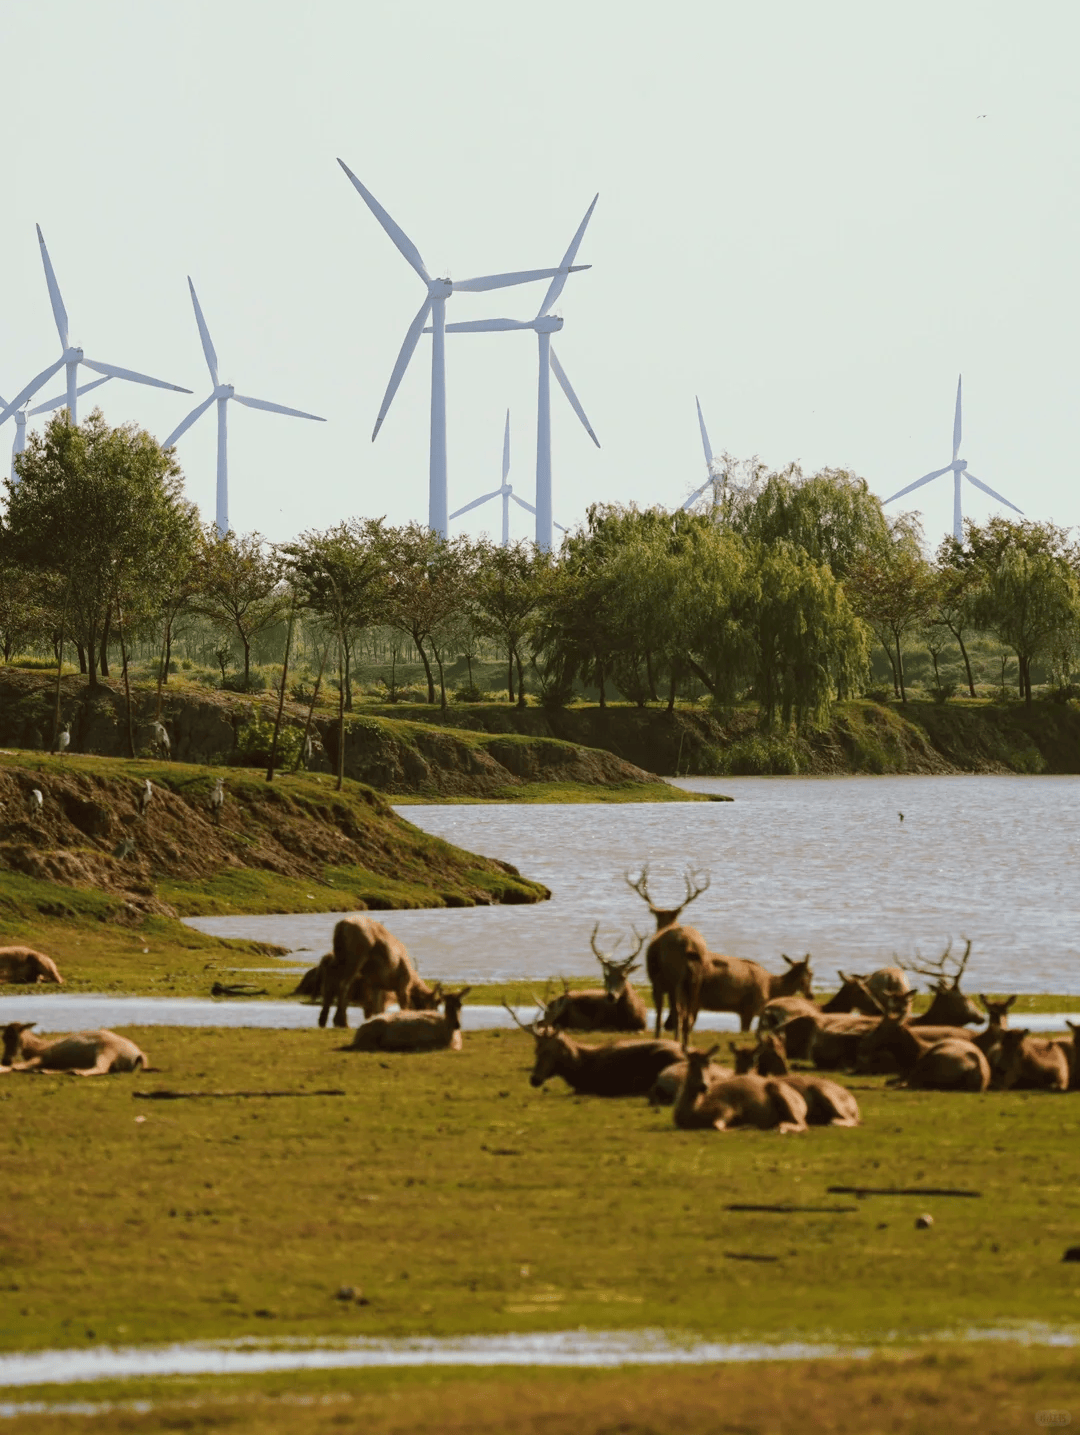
(778,593)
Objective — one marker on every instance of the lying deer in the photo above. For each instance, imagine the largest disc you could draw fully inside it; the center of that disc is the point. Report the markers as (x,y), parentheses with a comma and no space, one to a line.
(989,1041)
(884,985)
(738,1101)
(83,1053)
(616,1008)
(948,1006)
(827,1102)
(1032,1063)
(1068,1045)
(23,966)
(931,1059)
(734,984)
(363,948)
(675,959)
(414,1030)
(665,1088)
(620,1068)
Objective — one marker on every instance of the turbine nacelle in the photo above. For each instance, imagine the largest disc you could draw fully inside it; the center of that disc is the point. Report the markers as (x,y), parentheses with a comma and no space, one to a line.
(958,465)
(73,356)
(224,391)
(440,288)
(547,324)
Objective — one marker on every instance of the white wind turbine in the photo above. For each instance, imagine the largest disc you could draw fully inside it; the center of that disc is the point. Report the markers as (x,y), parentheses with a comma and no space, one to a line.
(545,324)
(505,492)
(48,407)
(715,470)
(959,470)
(439,290)
(222,393)
(71,357)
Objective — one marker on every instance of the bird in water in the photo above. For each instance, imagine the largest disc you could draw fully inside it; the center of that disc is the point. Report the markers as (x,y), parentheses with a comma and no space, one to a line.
(146,796)
(63,741)
(901,817)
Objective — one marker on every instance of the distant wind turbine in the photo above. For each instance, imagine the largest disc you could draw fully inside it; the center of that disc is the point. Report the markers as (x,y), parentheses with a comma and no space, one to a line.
(715,471)
(506,493)
(71,357)
(223,393)
(21,415)
(545,324)
(959,470)
(439,290)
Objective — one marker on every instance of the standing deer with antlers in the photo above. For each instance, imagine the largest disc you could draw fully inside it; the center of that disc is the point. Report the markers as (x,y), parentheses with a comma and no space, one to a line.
(615,1008)
(676,956)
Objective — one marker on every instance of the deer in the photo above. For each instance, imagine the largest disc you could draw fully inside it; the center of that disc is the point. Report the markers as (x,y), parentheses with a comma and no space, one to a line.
(414,1030)
(884,984)
(989,1041)
(83,1053)
(738,1101)
(1068,1045)
(620,1068)
(675,958)
(930,1058)
(733,984)
(665,1089)
(23,966)
(948,1006)
(366,953)
(827,1102)
(615,1008)
(1029,1062)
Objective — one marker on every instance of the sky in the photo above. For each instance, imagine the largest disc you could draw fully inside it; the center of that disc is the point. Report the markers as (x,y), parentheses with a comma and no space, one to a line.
(813,217)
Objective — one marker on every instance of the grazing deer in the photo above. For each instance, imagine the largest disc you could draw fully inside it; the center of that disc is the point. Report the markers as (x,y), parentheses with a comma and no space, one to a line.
(366,953)
(738,1101)
(22,966)
(949,1006)
(414,1030)
(84,1053)
(616,1008)
(620,1068)
(883,986)
(732,984)
(827,1102)
(1032,1063)
(676,956)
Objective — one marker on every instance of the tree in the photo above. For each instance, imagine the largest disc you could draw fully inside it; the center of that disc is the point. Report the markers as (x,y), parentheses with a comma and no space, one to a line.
(99,508)
(506,596)
(1032,603)
(426,586)
(240,586)
(832,516)
(891,587)
(25,606)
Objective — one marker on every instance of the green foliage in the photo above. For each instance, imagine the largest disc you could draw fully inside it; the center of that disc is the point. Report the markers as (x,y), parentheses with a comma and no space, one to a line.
(832,516)
(240,586)
(761,755)
(254,739)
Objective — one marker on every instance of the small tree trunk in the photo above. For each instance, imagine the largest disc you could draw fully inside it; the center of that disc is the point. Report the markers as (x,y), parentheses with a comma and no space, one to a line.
(60,667)
(510,673)
(521,681)
(900,672)
(427,669)
(161,671)
(671,694)
(311,709)
(967,663)
(341,714)
(603,697)
(105,634)
(247,660)
(348,676)
(281,695)
(393,675)
(442,682)
(127,685)
(651,676)
(82,657)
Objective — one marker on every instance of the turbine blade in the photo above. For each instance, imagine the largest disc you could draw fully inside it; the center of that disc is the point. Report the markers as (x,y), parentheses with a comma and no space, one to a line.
(406,248)
(117,373)
(956,420)
(918,483)
(275,408)
(412,338)
(506,281)
(527,506)
(697,494)
(61,399)
(704,437)
(488,326)
(31,389)
(185,424)
(564,384)
(560,527)
(476,503)
(506,447)
(559,282)
(59,312)
(204,335)
(987,489)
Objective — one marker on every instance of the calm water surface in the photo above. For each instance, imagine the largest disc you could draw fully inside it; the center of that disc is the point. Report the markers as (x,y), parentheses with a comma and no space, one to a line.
(798,864)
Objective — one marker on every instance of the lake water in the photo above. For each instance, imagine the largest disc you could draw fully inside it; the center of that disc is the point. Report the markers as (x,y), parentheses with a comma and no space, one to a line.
(798,864)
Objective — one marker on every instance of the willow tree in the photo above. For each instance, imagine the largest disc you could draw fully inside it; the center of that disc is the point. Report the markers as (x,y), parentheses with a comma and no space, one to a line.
(1031,601)
(891,587)
(832,516)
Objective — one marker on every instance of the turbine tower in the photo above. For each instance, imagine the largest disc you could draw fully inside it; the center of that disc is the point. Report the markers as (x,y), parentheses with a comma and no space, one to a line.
(222,393)
(71,357)
(959,470)
(715,473)
(21,415)
(545,324)
(439,290)
(505,492)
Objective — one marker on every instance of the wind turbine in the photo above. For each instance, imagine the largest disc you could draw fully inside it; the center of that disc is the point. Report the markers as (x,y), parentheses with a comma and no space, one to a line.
(439,290)
(545,324)
(959,470)
(223,393)
(71,357)
(715,473)
(48,407)
(506,493)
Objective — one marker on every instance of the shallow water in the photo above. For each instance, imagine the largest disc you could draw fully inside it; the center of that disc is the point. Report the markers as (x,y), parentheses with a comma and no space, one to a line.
(797,864)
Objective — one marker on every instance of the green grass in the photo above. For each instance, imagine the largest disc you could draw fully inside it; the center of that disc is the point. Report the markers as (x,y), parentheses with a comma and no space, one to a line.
(569,792)
(461,1200)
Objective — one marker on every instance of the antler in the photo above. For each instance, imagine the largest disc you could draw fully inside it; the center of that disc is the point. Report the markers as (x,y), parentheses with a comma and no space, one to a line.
(641,940)
(600,956)
(641,886)
(939,971)
(530,1027)
(694,886)
(963,964)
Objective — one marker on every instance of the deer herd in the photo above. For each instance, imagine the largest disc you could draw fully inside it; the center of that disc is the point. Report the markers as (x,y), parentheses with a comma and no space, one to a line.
(866,1027)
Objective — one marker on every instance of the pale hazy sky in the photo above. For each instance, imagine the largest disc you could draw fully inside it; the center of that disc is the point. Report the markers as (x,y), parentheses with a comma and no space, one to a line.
(812,215)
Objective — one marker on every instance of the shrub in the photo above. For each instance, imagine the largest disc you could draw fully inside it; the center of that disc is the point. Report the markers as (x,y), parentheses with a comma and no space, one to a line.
(469,693)
(877,695)
(761,756)
(943,692)
(255,737)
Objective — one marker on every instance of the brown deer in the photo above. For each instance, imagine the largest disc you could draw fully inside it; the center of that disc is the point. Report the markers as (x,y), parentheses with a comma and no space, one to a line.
(1068,1045)
(733,984)
(414,1030)
(83,1053)
(883,985)
(1029,1062)
(827,1102)
(675,958)
(833,1043)
(665,1088)
(616,1008)
(23,966)
(989,1041)
(738,1101)
(948,1006)
(621,1068)
(931,1058)
(363,948)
